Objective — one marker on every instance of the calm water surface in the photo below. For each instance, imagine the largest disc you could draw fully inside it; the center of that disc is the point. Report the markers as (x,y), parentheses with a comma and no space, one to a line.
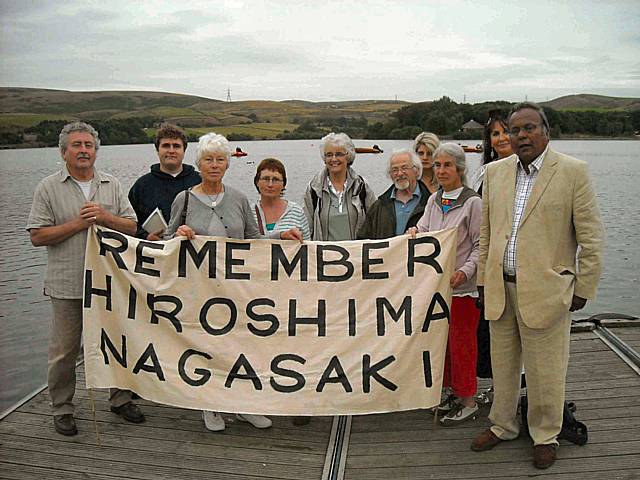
(25,312)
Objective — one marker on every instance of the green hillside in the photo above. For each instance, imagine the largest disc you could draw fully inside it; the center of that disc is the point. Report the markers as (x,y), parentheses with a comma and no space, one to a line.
(32,116)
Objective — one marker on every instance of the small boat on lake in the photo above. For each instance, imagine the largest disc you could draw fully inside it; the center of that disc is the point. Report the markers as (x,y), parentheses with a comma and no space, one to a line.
(477,149)
(374,149)
(239,153)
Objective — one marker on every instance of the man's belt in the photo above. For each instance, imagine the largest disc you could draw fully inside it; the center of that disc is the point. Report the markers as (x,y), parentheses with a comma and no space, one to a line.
(509,278)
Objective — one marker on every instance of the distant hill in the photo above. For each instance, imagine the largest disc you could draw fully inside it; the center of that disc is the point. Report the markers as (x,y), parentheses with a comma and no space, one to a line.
(593,102)
(25,107)
(33,116)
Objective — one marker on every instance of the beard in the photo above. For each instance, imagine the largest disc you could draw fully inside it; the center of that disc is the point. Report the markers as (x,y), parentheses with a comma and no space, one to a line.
(402,184)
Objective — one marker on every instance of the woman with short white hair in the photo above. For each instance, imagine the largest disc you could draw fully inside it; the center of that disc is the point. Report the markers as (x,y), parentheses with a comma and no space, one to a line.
(337,198)
(215,209)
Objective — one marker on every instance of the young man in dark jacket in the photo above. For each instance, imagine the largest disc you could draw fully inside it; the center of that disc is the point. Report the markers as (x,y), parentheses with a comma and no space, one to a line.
(159,187)
(402,205)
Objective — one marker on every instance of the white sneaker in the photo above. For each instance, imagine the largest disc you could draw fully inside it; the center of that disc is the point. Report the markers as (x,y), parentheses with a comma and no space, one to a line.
(459,414)
(213,421)
(258,421)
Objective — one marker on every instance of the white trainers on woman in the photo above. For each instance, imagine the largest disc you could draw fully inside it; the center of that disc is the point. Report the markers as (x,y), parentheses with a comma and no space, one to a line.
(258,421)
(213,421)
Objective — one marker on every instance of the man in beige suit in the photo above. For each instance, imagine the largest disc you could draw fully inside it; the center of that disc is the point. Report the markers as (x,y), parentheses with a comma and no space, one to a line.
(538,207)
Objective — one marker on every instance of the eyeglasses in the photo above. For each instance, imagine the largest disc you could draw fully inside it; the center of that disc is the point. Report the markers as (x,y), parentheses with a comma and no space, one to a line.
(271,180)
(403,169)
(211,160)
(336,154)
(528,128)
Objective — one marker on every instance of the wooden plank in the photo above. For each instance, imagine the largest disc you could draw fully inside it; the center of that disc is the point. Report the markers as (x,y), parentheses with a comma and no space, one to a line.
(497,455)
(314,444)
(453,470)
(462,445)
(139,459)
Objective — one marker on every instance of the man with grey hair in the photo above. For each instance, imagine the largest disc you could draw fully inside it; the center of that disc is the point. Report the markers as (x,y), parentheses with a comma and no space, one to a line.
(65,205)
(402,204)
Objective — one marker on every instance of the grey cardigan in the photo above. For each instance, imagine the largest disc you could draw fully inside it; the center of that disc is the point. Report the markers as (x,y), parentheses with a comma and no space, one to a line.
(233,211)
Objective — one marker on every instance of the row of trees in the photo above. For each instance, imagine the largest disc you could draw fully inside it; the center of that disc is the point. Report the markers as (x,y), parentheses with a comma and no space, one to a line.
(112,132)
(444,117)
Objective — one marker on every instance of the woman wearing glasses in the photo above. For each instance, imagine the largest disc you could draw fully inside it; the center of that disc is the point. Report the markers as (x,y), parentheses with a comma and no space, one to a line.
(215,209)
(337,198)
(272,212)
(424,145)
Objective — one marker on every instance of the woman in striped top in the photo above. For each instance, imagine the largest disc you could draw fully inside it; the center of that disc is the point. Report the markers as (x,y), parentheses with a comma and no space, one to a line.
(272,212)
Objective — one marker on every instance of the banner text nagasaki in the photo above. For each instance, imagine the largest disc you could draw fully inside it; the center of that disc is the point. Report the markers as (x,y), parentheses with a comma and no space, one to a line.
(269,327)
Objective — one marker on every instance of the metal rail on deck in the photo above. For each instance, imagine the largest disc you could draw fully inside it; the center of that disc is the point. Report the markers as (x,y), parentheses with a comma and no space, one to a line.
(336,458)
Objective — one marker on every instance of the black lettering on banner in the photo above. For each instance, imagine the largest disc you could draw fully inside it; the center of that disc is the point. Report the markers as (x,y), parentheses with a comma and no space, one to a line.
(320,320)
(437,299)
(141,258)
(233,315)
(106,343)
(352,317)
(367,261)
(278,257)
(250,373)
(369,371)
(230,261)
(208,251)
(340,376)
(171,316)
(285,372)
(430,260)
(383,304)
(133,299)
(321,263)
(262,317)
(141,364)
(115,250)
(89,291)
(203,373)
(426,367)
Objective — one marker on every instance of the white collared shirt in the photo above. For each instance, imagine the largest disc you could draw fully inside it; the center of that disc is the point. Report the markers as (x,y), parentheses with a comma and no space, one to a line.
(524,185)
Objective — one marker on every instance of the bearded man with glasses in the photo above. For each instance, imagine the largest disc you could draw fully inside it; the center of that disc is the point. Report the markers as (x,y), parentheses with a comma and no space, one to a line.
(402,204)
(539,206)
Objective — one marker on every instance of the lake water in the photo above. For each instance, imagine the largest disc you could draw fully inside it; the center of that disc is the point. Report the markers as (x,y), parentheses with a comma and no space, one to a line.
(25,312)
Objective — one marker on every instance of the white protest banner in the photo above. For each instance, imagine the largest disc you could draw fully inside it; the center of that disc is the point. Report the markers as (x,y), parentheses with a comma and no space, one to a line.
(269,327)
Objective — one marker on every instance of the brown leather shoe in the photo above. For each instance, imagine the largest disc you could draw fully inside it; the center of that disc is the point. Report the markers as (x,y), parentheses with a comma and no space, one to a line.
(486,441)
(544,456)
(65,424)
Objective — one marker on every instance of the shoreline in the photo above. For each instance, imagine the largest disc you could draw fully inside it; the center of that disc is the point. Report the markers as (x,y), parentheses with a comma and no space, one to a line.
(24,146)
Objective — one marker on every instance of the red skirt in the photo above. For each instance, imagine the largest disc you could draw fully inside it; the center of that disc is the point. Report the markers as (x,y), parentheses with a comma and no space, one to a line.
(462,347)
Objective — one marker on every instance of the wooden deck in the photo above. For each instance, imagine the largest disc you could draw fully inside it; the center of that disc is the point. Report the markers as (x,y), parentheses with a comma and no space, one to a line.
(173,443)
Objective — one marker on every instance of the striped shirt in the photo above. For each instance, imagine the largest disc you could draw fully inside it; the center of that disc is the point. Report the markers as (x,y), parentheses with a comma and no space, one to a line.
(58,200)
(293,217)
(524,185)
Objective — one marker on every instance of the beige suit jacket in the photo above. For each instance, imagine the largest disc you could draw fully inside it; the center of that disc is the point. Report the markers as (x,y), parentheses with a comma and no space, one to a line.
(561,214)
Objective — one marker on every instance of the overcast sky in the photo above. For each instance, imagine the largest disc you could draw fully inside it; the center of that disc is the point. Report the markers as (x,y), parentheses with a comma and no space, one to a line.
(334,50)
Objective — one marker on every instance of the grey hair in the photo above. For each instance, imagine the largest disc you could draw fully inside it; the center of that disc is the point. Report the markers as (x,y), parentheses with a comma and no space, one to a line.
(428,139)
(212,142)
(339,140)
(63,139)
(456,152)
(532,106)
(415,161)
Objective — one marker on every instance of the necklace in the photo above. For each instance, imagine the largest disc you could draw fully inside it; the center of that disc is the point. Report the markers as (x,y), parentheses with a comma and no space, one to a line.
(213,198)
